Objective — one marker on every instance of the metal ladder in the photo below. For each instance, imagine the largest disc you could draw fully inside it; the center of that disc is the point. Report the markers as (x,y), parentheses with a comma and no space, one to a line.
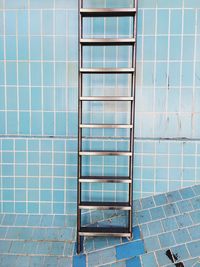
(106,231)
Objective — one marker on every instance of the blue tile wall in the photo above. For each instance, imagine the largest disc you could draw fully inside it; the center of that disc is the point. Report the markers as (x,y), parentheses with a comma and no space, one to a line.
(38,102)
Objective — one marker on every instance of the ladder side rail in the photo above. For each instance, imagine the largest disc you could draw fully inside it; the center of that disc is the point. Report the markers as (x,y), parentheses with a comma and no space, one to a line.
(132,132)
(80,20)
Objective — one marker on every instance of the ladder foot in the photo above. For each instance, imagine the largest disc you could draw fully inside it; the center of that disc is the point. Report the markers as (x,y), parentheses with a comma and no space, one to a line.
(79,247)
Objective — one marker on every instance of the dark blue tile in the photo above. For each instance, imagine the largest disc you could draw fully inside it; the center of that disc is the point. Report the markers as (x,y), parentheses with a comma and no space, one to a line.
(129,250)
(79,261)
(136,232)
(136,235)
(133,262)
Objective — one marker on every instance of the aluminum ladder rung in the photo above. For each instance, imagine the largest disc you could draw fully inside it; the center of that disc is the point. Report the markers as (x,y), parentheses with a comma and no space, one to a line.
(107,126)
(105,179)
(90,205)
(107,41)
(105,153)
(105,231)
(107,12)
(106,98)
(107,70)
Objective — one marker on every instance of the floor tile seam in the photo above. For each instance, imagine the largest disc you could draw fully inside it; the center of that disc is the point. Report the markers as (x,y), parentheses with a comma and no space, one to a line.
(152,252)
(169,217)
(191,258)
(34,255)
(169,192)
(36,227)
(171,231)
(169,203)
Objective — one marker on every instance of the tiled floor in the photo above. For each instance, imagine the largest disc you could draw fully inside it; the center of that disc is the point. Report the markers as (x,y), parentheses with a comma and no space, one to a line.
(166,233)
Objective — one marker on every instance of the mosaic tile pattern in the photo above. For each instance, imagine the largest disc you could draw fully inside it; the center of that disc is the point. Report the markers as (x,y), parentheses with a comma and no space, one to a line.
(38,102)
(172,238)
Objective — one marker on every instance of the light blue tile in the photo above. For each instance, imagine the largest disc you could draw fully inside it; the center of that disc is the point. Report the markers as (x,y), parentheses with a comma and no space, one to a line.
(36,261)
(34,220)
(143,216)
(148,260)
(46,220)
(147,203)
(160,200)
(181,236)
(195,215)
(144,230)
(195,203)
(44,248)
(63,262)
(163,21)
(151,244)
(173,196)
(102,257)
(8,260)
(157,213)
(193,248)
(196,189)
(5,246)
(194,232)
(3,231)
(17,247)
(162,258)
(57,248)
(8,219)
(183,220)
(166,240)
(171,210)
(30,247)
(155,227)
(51,261)
(180,252)
(190,262)
(169,224)
(149,22)
(184,206)
(69,249)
